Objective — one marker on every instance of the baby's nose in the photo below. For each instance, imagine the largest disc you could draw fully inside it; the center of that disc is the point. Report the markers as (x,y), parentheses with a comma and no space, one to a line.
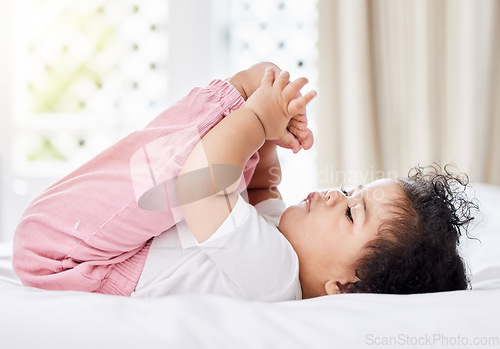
(334,196)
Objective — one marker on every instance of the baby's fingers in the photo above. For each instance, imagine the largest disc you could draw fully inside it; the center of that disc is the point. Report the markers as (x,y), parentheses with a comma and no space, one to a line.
(292,90)
(282,80)
(289,141)
(298,105)
(305,137)
(299,122)
(268,78)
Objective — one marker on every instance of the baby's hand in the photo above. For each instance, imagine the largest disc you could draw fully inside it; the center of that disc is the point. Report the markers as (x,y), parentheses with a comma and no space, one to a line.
(296,139)
(299,135)
(276,102)
(248,81)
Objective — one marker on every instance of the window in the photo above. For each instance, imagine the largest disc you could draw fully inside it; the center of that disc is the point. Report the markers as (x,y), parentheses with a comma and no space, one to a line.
(89,69)
(284,32)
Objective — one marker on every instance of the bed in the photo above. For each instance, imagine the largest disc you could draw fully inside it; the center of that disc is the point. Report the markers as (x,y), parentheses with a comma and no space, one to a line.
(33,318)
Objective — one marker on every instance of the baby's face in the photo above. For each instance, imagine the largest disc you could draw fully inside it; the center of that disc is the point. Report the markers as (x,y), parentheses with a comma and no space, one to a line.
(329,229)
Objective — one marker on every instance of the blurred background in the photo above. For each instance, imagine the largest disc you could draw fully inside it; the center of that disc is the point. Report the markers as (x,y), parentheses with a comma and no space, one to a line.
(400,82)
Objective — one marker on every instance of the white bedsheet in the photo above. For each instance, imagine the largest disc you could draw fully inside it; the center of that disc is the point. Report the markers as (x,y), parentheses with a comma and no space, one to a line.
(32,318)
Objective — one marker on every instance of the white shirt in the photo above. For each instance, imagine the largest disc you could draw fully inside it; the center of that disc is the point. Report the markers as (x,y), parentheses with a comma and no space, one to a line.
(247,257)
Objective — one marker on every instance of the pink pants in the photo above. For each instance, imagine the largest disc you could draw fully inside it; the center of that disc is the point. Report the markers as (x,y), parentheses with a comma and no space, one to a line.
(92,230)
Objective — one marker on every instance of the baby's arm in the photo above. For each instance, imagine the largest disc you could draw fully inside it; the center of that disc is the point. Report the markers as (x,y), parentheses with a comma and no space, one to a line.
(211,173)
(267,175)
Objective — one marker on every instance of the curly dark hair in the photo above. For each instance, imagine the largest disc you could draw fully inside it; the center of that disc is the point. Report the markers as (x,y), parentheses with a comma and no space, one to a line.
(417,252)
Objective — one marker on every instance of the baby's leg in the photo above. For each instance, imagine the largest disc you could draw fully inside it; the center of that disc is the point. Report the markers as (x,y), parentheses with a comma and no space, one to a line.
(91,230)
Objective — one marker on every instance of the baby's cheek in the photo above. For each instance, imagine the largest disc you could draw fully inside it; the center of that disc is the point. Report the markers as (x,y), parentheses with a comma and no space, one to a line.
(289,224)
(291,213)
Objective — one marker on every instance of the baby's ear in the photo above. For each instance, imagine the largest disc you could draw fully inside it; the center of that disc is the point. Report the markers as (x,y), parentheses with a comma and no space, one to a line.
(335,287)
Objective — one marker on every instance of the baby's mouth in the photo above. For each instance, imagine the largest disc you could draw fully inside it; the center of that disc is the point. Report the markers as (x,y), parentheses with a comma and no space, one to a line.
(306,202)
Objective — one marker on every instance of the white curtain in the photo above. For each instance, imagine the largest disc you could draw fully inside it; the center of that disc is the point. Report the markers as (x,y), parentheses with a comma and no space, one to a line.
(407,82)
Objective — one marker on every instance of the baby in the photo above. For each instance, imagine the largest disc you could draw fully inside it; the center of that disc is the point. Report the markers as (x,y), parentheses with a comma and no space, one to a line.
(159,212)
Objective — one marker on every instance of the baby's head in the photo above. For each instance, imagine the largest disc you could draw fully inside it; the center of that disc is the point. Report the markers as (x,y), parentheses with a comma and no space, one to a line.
(390,236)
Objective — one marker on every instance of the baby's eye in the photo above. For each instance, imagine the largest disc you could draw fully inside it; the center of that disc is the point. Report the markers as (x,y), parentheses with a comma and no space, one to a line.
(348,214)
(344,191)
